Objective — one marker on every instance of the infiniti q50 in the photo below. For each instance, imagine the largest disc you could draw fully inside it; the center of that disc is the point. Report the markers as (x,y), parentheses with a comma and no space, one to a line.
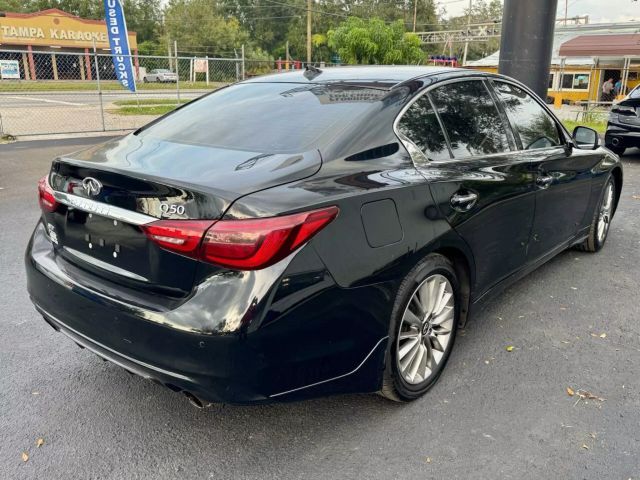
(310,233)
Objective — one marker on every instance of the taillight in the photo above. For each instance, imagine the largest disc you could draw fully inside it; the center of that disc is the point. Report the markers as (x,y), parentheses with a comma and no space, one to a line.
(240,244)
(46,199)
(257,243)
(182,236)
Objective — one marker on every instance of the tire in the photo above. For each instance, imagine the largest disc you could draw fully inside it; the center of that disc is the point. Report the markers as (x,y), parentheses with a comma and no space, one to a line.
(596,239)
(425,280)
(145,80)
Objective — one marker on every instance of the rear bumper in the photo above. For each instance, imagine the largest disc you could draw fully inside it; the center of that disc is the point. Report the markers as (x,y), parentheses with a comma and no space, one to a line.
(205,365)
(172,380)
(246,365)
(622,135)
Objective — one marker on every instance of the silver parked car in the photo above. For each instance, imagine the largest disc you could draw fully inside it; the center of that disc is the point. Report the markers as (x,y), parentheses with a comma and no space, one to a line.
(160,75)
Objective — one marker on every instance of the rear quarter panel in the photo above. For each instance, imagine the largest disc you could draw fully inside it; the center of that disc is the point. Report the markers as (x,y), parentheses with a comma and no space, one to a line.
(343,245)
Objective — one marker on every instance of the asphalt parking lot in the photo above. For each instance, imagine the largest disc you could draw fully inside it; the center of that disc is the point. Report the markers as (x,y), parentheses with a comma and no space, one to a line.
(494,414)
(36,113)
(83,99)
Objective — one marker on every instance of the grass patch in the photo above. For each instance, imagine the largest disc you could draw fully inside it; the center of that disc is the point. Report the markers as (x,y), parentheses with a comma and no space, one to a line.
(92,85)
(599,127)
(150,101)
(144,110)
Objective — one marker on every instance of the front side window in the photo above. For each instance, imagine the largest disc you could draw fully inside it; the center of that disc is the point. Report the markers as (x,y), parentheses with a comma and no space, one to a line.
(470,118)
(534,125)
(420,125)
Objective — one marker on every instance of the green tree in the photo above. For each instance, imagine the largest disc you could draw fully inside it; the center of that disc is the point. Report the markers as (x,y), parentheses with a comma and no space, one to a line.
(273,23)
(144,17)
(200,27)
(12,6)
(482,11)
(375,42)
(266,23)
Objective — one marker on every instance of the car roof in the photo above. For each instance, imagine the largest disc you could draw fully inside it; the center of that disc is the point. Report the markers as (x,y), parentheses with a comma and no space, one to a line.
(382,76)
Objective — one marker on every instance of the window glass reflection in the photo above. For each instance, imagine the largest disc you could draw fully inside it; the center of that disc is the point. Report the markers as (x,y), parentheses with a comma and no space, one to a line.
(269,117)
(470,118)
(534,125)
(420,124)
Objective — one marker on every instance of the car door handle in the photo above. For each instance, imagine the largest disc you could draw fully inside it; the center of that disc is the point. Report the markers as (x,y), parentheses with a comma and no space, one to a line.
(463,202)
(544,181)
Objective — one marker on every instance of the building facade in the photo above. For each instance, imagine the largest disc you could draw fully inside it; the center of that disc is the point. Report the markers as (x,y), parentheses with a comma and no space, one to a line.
(583,58)
(55,45)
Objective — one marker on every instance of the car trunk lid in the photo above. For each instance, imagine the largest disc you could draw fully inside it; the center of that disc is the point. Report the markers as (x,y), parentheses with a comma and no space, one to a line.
(140,180)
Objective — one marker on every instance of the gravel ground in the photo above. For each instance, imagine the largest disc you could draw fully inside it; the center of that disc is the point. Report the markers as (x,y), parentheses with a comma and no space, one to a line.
(494,413)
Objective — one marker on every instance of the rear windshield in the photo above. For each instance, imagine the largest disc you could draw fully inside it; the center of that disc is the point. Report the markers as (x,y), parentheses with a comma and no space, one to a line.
(268,117)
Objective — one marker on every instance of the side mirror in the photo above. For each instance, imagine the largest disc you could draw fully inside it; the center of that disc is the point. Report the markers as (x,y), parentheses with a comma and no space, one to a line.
(586,138)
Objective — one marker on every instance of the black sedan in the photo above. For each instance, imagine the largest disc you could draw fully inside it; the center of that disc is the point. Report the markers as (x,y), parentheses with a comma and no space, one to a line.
(623,127)
(314,232)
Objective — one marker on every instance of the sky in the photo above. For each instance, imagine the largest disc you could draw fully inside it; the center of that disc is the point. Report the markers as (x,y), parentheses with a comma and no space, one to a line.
(599,11)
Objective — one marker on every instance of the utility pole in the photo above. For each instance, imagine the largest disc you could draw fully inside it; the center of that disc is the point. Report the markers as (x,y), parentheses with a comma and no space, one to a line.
(526,42)
(466,42)
(308,31)
(566,11)
(415,14)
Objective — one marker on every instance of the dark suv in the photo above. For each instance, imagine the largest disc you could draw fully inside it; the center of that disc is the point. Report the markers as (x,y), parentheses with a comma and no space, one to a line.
(314,232)
(623,127)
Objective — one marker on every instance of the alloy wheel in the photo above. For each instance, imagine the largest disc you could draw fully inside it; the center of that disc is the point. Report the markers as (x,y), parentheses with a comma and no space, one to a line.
(604,217)
(426,329)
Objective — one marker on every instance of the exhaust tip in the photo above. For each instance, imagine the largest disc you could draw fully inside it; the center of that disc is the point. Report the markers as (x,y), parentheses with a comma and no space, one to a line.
(193,400)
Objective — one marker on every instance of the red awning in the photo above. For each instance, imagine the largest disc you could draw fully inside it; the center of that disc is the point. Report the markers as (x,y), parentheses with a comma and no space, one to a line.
(601,46)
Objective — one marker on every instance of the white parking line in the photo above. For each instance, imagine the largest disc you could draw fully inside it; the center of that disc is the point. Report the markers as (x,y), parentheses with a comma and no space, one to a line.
(47,100)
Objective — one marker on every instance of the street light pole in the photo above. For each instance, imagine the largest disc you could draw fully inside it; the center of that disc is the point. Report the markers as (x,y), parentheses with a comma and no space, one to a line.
(415,14)
(466,42)
(308,31)
(526,42)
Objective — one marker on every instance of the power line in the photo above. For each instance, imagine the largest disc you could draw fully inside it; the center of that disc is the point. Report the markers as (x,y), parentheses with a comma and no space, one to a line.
(311,10)
(269,18)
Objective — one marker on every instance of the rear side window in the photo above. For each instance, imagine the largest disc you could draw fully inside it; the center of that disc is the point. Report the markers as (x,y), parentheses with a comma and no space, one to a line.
(470,118)
(269,117)
(532,123)
(420,125)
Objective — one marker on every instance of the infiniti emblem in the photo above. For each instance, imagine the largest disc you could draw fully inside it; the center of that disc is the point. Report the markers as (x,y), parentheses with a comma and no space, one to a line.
(425,328)
(91,186)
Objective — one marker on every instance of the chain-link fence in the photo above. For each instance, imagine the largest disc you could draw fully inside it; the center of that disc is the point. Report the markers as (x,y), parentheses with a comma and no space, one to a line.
(68,92)
(61,92)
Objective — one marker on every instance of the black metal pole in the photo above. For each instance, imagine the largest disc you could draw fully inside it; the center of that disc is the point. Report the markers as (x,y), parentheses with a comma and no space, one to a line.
(526,42)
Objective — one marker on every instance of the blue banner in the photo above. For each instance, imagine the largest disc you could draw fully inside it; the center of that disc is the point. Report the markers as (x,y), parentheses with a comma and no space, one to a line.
(119,43)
